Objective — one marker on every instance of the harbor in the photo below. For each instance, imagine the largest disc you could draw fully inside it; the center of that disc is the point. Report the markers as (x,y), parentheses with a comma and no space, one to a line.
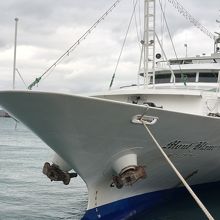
(26,195)
(146,149)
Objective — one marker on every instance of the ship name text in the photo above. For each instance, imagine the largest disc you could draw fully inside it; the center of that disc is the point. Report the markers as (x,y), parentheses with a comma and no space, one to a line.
(201,146)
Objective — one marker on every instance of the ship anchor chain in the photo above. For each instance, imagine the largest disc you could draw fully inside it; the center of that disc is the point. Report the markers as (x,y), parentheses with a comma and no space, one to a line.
(54,173)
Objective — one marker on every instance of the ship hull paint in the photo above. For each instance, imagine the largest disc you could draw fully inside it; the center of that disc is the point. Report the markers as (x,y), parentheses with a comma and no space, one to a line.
(147,204)
(90,134)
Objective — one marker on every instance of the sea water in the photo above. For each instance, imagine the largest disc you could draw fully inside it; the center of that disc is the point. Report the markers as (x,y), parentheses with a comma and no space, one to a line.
(26,194)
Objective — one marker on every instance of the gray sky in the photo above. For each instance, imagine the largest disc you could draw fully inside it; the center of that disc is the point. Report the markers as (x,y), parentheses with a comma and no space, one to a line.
(47,28)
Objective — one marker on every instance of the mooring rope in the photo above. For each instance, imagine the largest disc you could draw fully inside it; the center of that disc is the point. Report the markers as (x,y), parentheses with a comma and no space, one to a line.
(195,197)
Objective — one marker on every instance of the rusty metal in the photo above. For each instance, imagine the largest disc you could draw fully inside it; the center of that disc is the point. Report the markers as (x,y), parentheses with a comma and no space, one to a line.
(54,173)
(128,176)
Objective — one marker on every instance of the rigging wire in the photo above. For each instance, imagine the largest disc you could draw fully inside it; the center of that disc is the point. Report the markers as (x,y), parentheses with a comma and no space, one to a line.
(21,77)
(162,23)
(161,28)
(164,55)
(122,48)
(183,77)
(139,12)
(190,18)
(72,48)
(136,25)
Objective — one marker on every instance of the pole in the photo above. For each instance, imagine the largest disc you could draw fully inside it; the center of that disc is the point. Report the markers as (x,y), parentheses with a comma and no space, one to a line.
(15,50)
(186,46)
(146,12)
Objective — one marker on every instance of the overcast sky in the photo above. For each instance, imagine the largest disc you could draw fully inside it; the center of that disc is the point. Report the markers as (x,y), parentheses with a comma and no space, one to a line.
(47,28)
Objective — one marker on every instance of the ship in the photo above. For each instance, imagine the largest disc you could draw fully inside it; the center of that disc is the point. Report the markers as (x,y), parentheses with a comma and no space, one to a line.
(115,140)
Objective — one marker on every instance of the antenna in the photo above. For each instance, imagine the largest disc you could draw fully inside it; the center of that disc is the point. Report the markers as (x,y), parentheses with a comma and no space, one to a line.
(15,50)
(186,46)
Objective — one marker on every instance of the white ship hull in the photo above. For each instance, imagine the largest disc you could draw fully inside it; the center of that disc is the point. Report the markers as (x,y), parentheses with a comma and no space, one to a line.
(90,134)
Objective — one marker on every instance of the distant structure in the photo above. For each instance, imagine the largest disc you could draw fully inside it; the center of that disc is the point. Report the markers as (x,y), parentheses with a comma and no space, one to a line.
(4,113)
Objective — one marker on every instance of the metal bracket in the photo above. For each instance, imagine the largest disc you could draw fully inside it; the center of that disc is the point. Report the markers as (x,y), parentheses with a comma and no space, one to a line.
(149,120)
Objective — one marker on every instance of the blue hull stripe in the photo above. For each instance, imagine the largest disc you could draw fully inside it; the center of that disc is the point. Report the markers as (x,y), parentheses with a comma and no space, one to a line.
(134,206)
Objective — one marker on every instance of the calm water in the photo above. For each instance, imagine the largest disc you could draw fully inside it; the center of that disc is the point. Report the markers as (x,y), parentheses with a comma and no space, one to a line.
(25,193)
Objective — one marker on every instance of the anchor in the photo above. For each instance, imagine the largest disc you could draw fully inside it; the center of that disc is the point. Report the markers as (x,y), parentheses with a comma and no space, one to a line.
(54,173)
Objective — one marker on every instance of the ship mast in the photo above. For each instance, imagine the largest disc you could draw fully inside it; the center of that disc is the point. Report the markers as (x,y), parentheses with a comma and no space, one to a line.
(15,51)
(148,44)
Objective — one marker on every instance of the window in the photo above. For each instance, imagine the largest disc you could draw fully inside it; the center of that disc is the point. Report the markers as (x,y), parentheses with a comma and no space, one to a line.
(176,62)
(179,62)
(208,77)
(187,62)
(162,78)
(185,77)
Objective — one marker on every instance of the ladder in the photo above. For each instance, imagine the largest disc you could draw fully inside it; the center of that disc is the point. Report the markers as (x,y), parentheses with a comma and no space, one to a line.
(148,43)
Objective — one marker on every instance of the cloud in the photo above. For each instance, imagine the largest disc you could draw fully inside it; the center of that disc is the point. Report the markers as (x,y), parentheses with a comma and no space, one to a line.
(46,28)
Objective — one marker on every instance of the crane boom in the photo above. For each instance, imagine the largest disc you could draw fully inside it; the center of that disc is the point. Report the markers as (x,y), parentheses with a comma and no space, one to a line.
(190,18)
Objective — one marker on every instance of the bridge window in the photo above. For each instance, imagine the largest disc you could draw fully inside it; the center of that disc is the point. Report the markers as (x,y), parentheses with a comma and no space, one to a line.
(208,77)
(187,77)
(162,78)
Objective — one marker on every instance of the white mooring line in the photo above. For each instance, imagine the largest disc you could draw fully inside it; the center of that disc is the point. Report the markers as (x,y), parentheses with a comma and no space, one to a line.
(195,197)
